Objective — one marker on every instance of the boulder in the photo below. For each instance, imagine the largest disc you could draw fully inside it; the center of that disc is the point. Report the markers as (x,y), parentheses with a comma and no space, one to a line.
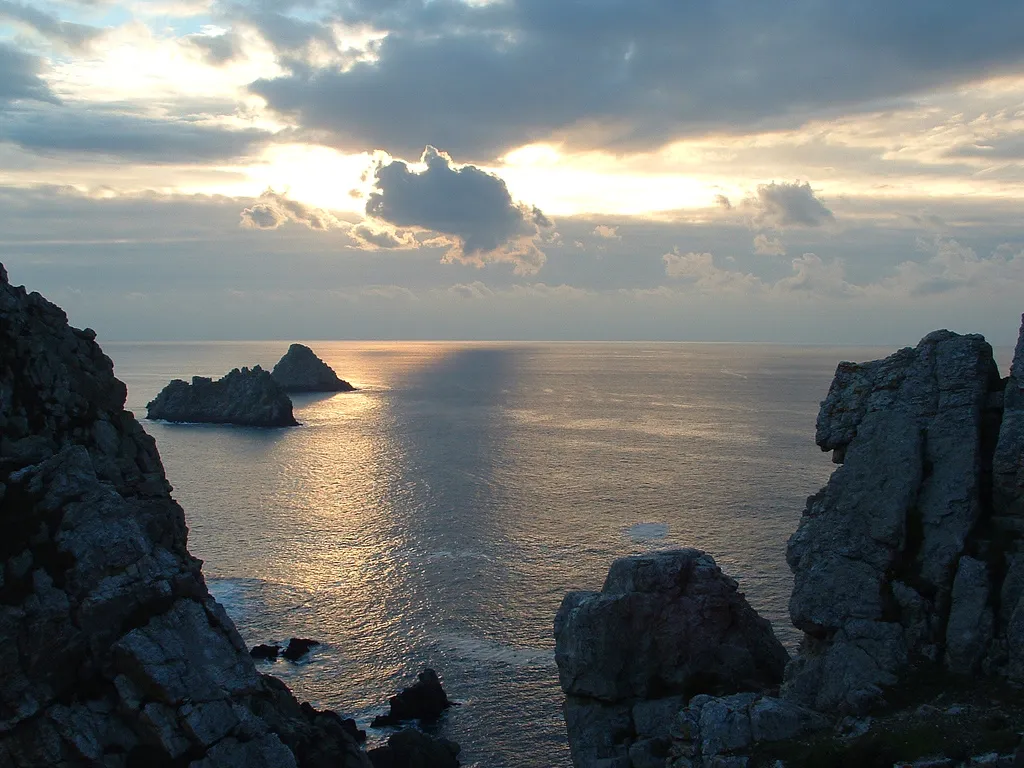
(247,397)
(300,370)
(410,748)
(263,651)
(423,700)
(114,652)
(665,627)
(298,647)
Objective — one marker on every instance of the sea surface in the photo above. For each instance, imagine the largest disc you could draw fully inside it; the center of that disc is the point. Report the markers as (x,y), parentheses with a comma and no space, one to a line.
(437,516)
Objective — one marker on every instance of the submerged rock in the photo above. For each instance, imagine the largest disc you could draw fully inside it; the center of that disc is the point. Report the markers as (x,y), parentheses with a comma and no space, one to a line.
(247,397)
(300,370)
(423,700)
(665,627)
(114,652)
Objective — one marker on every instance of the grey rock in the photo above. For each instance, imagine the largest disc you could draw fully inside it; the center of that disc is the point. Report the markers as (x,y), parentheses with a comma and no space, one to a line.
(112,644)
(247,397)
(875,556)
(970,626)
(597,731)
(1008,461)
(300,370)
(665,623)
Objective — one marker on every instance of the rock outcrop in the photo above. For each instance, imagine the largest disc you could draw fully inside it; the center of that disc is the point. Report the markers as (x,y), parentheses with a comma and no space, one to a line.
(908,577)
(300,370)
(423,700)
(248,397)
(114,653)
(665,627)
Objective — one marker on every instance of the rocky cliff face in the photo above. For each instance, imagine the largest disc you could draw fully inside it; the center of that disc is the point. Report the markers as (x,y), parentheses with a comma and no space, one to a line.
(247,397)
(113,651)
(909,563)
(300,370)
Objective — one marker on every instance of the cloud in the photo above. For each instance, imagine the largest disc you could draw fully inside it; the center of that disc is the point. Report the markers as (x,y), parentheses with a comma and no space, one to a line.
(97,131)
(218,50)
(768,246)
(469,206)
(953,267)
(19,77)
(700,271)
(608,233)
(723,202)
(374,237)
(275,209)
(77,37)
(483,78)
(790,205)
(811,275)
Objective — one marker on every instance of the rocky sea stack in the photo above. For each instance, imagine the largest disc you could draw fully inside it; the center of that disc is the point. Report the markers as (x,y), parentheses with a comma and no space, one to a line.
(248,397)
(908,585)
(300,370)
(114,652)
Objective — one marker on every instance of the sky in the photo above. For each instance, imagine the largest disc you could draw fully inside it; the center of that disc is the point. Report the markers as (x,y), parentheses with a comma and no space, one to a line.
(799,171)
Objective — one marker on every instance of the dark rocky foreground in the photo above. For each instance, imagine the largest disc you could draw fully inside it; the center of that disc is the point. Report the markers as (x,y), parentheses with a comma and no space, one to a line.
(248,397)
(300,370)
(908,585)
(112,651)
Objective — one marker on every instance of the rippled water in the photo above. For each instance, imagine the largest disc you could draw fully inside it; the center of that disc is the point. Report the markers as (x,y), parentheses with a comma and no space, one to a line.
(438,515)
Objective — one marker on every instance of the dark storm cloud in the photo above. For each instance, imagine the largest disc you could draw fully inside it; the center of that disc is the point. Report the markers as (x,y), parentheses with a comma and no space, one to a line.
(125,136)
(478,79)
(462,202)
(74,36)
(790,205)
(19,77)
(218,49)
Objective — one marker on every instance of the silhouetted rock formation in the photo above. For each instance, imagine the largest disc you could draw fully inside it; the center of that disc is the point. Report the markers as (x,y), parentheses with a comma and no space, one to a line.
(423,700)
(298,647)
(908,563)
(247,397)
(665,627)
(300,370)
(410,748)
(114,652)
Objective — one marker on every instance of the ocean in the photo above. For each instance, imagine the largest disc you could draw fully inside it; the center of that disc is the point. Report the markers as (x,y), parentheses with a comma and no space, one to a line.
(437,516)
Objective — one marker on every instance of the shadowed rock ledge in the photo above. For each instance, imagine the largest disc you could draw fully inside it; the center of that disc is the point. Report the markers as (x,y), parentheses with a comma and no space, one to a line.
(114,653)
(248,397)
(300,370)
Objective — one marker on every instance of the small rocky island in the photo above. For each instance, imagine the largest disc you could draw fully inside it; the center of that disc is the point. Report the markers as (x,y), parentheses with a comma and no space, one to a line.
(908,586)
(248,397)
(300,370)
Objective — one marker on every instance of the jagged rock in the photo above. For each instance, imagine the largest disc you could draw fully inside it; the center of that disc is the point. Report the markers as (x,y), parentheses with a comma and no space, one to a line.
(247,397)
(298,647)
(1008,461)
(114,653)
(410,748)
(971,623)
(664,627)
(300,370)
(423,700)
(876,553)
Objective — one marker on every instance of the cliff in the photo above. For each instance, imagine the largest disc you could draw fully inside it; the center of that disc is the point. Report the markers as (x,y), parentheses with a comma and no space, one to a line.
(908,585)
(300,370)
(114,653)
(247,397)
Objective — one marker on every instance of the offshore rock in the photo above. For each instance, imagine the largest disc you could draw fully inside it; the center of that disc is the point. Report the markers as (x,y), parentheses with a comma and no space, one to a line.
(410,748)
(666,626)
(247,397)
(114,652)
(423,700)
(300,370)
(881,581)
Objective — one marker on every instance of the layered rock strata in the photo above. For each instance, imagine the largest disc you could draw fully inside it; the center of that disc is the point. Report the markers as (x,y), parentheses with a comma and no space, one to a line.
(300,370)
(665,627)
(247,397)
(114,653)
